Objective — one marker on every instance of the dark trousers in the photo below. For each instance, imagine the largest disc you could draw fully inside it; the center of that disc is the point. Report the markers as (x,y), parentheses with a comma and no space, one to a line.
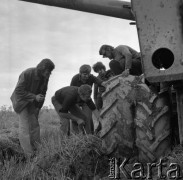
(68,127)
(99,102)
(115,67)
(136,69)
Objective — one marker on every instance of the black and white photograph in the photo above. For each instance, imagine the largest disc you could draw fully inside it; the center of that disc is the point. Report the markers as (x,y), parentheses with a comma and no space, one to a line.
(91,89)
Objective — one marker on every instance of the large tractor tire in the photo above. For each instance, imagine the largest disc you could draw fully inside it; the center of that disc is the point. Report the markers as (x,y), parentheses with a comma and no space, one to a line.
(135,121)
(152,121)
(117,116)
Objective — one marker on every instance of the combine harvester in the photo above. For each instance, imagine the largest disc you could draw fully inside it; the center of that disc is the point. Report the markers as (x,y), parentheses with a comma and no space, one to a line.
(137,121)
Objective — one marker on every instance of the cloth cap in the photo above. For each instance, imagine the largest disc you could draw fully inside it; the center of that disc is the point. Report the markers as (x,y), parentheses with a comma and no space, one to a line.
(85,69)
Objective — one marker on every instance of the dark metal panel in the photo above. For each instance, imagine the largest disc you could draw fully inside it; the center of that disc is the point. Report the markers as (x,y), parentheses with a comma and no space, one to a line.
(113,8)
(160,31)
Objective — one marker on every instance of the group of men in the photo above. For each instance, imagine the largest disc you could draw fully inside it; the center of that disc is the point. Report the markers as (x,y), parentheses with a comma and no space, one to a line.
(73,103)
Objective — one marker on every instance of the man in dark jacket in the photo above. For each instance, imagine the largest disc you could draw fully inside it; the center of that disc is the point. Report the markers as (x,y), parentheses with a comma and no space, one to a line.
(104,75)
(27,99)
(124,59)
(66,102)
(85,77)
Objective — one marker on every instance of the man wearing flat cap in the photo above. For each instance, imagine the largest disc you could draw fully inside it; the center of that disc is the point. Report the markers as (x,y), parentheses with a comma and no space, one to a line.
(85,77)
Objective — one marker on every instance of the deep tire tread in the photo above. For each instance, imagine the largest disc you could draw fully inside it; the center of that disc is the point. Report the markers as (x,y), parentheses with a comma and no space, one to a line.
(153,139)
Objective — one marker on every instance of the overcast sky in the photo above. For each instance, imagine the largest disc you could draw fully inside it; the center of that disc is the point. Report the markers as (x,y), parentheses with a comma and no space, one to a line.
(30,32)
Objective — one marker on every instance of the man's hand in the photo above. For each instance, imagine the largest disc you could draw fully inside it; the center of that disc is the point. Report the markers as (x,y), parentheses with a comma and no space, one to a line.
(40,98)
(103,84)
(98,128)
(125,73)
(80,122)
(37,112)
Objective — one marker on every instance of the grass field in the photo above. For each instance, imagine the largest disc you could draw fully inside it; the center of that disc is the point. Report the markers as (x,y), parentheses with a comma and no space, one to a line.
(76,157)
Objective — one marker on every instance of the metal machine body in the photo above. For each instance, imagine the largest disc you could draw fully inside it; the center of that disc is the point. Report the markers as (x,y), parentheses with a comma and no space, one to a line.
(113,8)
(160,31)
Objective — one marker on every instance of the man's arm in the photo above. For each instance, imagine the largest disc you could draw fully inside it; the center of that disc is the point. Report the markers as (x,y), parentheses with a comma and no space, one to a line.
(96,121)
(95,93)
(43,92)
(96,114)
(20,89)
(72,117)
(99,82)
(92,106)
(123,55)
(96,118)
(64,111)
(128,58)
(96,80)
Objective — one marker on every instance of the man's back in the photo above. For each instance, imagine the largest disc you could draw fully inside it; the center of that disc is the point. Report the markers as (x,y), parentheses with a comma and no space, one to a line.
(68,92)
(123,50)
(128,59)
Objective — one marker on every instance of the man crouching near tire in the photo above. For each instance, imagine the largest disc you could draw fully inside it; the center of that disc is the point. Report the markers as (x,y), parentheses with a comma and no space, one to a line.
(66,105)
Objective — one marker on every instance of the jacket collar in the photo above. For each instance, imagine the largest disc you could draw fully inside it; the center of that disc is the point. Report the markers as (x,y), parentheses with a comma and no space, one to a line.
(80,77)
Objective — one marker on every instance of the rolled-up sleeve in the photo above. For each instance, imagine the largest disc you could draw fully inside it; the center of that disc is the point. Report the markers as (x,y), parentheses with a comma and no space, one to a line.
(96,80)
(91,104)
(95,93)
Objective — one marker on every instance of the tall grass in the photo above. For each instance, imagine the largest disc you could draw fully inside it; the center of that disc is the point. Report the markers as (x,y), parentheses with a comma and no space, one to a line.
(58,157)
(8,118)
(78,157)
